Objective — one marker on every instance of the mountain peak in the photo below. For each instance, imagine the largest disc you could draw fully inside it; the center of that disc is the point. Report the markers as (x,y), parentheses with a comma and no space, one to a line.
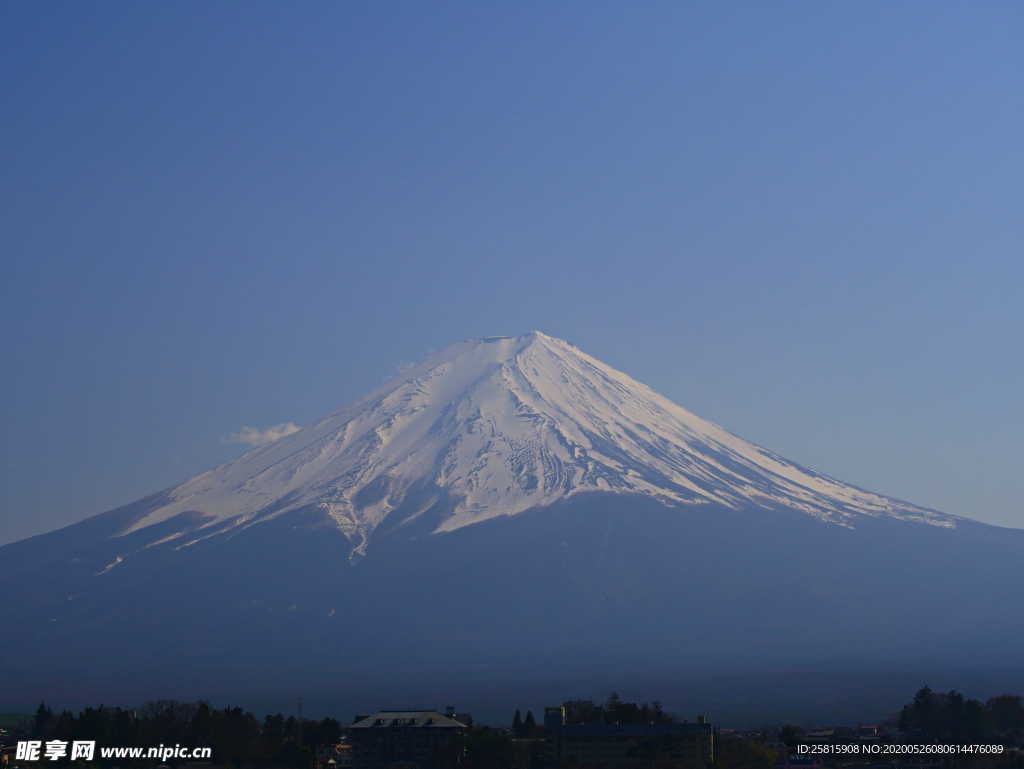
(497,426)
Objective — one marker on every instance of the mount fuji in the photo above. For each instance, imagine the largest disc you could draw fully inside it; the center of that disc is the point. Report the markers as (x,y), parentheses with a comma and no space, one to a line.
(510,509)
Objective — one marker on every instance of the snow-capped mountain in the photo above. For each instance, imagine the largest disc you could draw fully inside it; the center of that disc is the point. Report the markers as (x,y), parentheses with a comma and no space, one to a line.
(509,512)
(502,425)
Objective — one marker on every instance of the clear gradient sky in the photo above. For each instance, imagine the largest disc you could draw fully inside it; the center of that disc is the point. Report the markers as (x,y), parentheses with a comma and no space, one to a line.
(801,220)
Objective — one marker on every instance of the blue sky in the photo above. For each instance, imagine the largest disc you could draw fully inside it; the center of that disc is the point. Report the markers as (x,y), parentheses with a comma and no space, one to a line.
(801,220)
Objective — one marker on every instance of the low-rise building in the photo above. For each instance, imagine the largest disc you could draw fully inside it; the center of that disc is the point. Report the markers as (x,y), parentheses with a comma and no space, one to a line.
(407,739)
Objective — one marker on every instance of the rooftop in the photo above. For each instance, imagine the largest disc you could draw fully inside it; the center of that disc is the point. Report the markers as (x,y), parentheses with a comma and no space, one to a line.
(408,718)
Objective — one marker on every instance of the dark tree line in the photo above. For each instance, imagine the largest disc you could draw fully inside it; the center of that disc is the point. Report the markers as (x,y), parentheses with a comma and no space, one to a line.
(612,711)
(615,711)
(237,737)
(950,717)
(525,727)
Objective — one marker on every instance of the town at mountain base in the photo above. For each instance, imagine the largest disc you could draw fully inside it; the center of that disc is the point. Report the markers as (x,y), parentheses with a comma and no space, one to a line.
(576,734)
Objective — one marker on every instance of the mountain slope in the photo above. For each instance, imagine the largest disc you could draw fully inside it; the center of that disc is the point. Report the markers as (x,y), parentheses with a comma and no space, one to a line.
(499,426)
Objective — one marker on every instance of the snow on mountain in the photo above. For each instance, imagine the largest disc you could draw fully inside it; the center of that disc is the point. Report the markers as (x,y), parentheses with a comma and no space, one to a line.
(499,426)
